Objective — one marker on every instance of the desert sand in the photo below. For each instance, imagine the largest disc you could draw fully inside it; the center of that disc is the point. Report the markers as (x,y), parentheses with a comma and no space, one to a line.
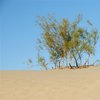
(66,84)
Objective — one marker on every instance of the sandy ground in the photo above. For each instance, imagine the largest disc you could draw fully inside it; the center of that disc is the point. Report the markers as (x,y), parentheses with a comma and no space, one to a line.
(77,84)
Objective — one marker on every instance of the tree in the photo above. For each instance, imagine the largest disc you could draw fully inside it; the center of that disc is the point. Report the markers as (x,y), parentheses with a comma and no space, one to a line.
(67,42)
(42,62)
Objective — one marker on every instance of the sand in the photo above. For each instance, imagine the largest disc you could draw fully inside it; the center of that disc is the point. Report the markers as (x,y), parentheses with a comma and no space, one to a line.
(77,84)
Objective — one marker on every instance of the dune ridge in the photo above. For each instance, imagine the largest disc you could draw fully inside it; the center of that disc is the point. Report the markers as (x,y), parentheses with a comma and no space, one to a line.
(76,84)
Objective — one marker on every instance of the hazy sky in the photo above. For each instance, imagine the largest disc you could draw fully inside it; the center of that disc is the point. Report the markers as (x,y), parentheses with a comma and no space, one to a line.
(18,28)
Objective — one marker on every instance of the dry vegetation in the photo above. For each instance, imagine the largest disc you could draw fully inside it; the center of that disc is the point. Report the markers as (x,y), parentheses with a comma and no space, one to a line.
(66,43)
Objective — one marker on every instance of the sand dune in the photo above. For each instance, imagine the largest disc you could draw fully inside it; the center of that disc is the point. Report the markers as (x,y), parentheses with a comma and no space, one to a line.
(77,84)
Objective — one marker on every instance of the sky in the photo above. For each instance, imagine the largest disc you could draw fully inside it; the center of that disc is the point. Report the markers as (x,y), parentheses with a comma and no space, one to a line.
(19,30)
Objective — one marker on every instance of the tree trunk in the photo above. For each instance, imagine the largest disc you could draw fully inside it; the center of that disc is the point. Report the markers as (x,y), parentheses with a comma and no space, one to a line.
(76,62)
(55,65)
(70,66)
(59,65)
(80,58)
(87,60)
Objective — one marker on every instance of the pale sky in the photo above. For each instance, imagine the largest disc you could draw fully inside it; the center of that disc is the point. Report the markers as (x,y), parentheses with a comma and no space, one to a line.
(19,31)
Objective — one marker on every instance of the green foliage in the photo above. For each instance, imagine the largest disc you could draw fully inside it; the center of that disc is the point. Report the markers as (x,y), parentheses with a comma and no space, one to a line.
(42,62)
(65,40)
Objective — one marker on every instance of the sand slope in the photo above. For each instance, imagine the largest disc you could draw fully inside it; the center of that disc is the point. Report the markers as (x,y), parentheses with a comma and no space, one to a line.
(78,84)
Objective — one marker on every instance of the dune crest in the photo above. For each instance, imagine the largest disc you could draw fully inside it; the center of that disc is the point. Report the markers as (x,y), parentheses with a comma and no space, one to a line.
(82,84)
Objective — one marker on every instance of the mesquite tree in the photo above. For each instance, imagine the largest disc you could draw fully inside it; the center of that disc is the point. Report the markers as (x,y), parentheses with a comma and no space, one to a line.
(67,42)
